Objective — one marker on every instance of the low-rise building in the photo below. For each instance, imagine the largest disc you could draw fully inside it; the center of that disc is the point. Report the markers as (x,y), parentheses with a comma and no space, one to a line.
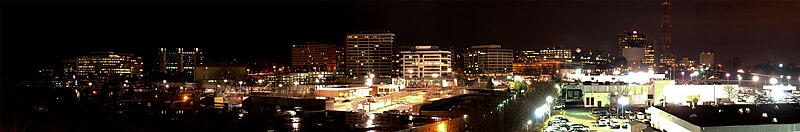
(726,118)
(219,73)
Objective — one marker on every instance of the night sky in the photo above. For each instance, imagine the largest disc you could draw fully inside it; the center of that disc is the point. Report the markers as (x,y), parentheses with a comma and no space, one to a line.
(36,33)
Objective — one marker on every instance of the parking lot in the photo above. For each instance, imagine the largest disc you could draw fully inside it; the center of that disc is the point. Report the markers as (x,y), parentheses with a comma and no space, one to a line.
(584,119)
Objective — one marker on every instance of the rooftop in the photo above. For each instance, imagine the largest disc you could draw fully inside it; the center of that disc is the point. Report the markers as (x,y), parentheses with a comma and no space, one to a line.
(731,115)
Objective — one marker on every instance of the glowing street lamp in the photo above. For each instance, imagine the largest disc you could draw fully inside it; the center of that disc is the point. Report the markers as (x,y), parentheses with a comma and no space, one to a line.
(622,102)
(788,79)
(773,81)
(740,79)
(727,76)
(549,99)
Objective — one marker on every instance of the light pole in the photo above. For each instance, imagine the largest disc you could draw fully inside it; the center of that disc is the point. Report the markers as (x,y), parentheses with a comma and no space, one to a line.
(727,76)
(622,102)
(683,76)
(755,80)
(549,100)
(773,81)
(788,79)
(740,79)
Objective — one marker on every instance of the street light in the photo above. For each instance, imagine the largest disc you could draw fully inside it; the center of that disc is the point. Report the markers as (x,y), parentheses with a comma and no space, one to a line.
(773,81)
(549,99)
(740,79)
(683,77)
(727,76)
(622,102)
(788,79)
(755,80)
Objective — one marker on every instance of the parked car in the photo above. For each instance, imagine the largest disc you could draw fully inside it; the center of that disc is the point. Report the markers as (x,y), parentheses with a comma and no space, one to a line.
(579,127)
(560,106)
(640,115)
(614,124)
(603,114)
(602,122)
(595,111)
(551,129)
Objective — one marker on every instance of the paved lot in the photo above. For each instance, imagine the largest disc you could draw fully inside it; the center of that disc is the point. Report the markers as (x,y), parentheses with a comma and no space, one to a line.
(585,117)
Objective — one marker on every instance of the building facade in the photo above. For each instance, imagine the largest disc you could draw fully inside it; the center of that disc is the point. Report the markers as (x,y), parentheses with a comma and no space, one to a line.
(488,61)
(179,61)
(315,56)
(219,73)
(426,62)
(104,67)
(707,58)
(557,54)
(597,61)
(371,53)
(636,39)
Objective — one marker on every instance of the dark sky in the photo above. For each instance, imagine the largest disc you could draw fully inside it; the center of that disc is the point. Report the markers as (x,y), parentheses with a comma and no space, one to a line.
(36,32)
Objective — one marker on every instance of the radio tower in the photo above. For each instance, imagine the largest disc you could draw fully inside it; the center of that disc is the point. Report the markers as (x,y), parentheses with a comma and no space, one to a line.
(667,56)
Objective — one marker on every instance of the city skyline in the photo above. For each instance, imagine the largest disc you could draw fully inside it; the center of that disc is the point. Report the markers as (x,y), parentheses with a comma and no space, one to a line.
(697,26)
(536,65)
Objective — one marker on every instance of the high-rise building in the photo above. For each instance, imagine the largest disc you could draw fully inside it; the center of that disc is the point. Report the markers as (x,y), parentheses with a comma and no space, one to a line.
(707,58)
(457,61)
(314,56)
(426,62)
(371,53)
(635,39)
(488,60)
(666,55)
(105,66)
(596,61)
(531,64)
(179,60)
(685,63)
(557,54)
(523,56)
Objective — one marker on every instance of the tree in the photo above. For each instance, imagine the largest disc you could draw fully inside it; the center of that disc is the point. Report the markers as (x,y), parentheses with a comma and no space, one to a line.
(490,84)
(731,91)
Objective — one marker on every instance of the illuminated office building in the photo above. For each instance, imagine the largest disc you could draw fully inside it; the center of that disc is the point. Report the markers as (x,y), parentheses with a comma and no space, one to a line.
(706,58)
(314,56)
(426,62)
(636,39)
(371,53)
(488,60)
(557,54)
(105,66)
(179,60)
